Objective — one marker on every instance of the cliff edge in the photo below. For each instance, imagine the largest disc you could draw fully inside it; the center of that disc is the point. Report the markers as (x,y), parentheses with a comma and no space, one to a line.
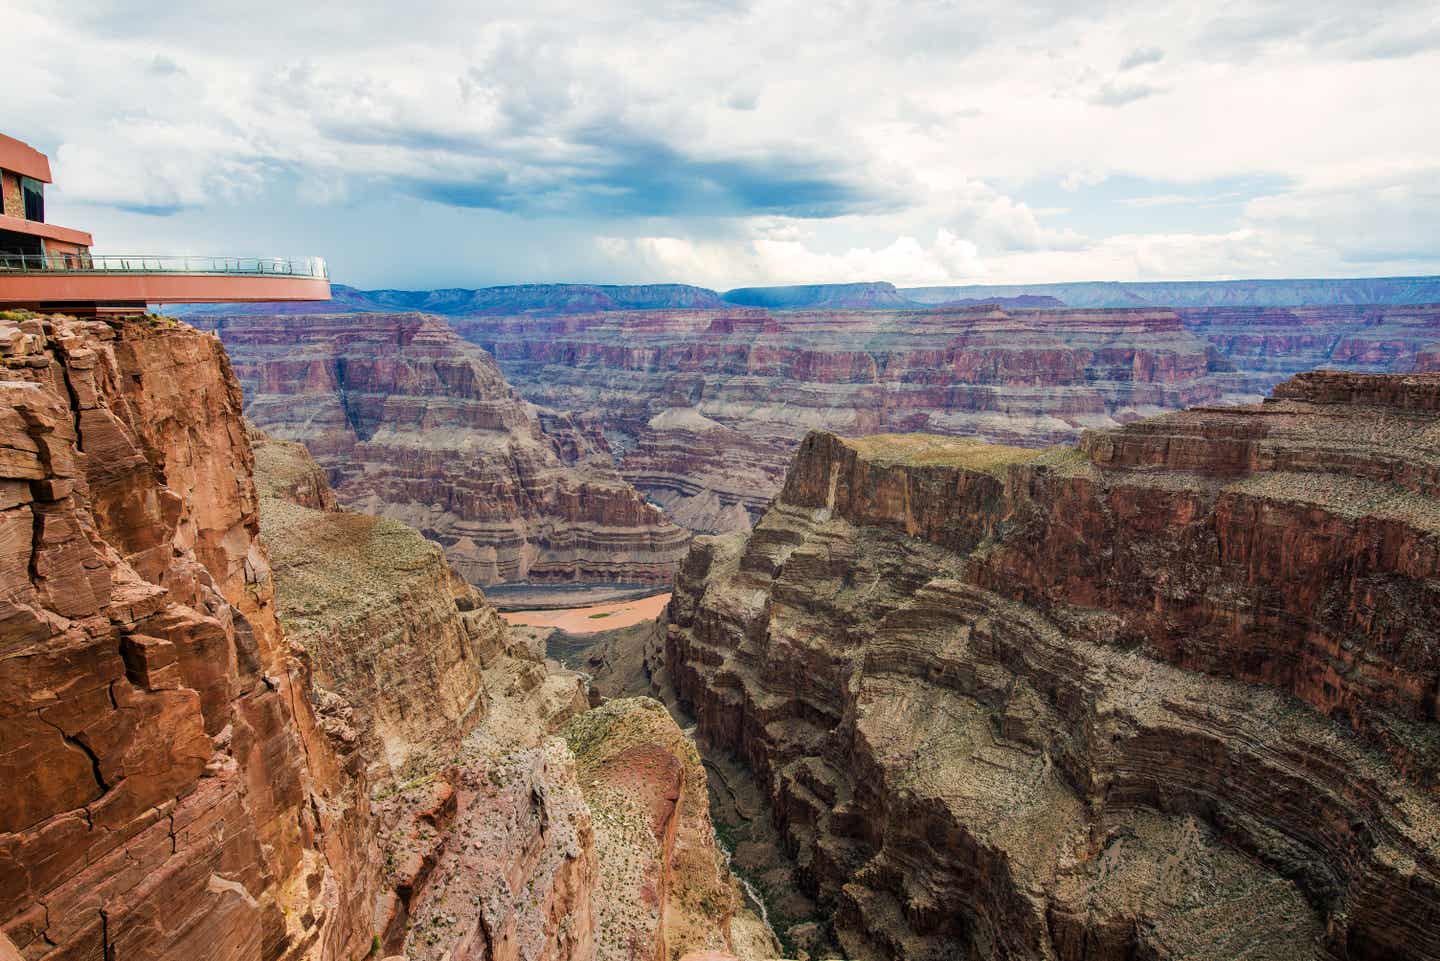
(1170,693)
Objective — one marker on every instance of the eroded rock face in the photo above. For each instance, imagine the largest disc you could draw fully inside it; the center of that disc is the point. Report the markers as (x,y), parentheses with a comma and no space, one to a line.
(168,792)
(1266,344)
(178,786)
(715,401)
(479,821)
(415,425)
(498,844)
(1169,694)
(386,623)
(662,887)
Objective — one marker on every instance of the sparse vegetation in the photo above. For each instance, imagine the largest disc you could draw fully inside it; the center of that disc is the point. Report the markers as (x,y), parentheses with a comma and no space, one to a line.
(932,450)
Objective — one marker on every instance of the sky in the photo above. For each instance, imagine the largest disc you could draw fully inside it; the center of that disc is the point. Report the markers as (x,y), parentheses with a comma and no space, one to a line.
(418,144)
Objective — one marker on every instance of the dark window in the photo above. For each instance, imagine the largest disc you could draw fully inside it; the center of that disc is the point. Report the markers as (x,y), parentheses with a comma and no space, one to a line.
(34,199)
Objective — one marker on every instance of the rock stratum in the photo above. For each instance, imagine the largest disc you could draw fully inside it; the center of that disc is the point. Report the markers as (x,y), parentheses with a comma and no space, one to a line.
(386,623)
(167,790)
(415,425)
(499,840)
(1167,694)
(333,751)
(705,408)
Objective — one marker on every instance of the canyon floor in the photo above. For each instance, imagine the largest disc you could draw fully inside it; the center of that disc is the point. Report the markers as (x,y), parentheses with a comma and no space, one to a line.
(593,617)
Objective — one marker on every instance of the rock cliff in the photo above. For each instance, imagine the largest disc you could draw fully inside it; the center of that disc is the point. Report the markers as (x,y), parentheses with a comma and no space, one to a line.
(338,753)
(1263,345)
(415,425)
(710,404)
(663,888)
(498,841)
(168,792)
(385,621)
(704,408)
(478,816)
(1169,694)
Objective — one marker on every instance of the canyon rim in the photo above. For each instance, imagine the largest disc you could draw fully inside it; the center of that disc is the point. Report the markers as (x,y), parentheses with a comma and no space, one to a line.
(640,481)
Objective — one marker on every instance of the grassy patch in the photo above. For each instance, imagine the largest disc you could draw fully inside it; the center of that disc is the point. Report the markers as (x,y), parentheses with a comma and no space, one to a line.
(933,450)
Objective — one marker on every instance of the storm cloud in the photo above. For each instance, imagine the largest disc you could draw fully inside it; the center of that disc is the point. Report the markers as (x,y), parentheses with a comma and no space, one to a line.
(731,142)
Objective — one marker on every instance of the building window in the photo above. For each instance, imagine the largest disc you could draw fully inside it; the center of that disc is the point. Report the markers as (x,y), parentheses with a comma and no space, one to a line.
(34,192)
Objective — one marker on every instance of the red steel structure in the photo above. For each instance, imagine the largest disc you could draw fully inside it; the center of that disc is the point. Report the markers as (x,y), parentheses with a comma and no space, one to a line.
(48,267)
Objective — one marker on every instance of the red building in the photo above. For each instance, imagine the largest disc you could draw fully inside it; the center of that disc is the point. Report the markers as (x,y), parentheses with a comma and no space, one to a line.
(46,267)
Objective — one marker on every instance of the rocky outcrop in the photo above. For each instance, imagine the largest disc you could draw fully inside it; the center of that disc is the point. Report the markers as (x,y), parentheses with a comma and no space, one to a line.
(386,623)
(704,408)
(499,842)
(663,888)
(415,425)
(701,403)
(1167,694)
(168,790)
(285,471)
(479,819)
(707,476)
(525,848)
(379,776)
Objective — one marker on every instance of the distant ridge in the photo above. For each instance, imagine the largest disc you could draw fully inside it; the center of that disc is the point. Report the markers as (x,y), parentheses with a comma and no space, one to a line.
(1201,293)
(877,295)
(458,301)
(1022,302)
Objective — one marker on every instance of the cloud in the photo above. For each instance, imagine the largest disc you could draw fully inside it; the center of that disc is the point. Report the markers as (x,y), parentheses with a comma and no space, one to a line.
(1335,29)
(1140,57)
(1368,217)
(1116,94)
(652,180)
(784,257)
(871,130)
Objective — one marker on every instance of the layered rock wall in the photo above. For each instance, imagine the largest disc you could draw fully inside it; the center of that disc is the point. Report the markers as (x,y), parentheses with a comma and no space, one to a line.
(415,425)
(1169,694)
(663,889)
(500,842)
(704,408)
(712,403)
(169,793)
(384,620)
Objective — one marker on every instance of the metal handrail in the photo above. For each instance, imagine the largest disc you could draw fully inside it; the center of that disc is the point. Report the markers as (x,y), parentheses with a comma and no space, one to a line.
(310,267)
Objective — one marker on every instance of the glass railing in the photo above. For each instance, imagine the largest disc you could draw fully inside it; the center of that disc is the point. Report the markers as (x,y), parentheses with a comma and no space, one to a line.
(309,267)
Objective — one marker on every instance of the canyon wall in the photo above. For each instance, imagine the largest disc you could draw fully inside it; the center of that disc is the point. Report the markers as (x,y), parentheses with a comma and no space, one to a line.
(1266,344)
(168,792)
(385,622)
(415,425)
(704,408)
(711,404)
(1169,694)
(499,841)
(343,753)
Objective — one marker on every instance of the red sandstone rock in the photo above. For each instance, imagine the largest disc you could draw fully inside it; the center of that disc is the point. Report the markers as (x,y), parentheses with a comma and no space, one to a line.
(172,795)
(699,402)
(415,425)
(1170,694)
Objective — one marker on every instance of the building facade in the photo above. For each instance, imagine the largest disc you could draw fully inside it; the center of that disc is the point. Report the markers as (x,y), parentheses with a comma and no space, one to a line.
(44,266)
